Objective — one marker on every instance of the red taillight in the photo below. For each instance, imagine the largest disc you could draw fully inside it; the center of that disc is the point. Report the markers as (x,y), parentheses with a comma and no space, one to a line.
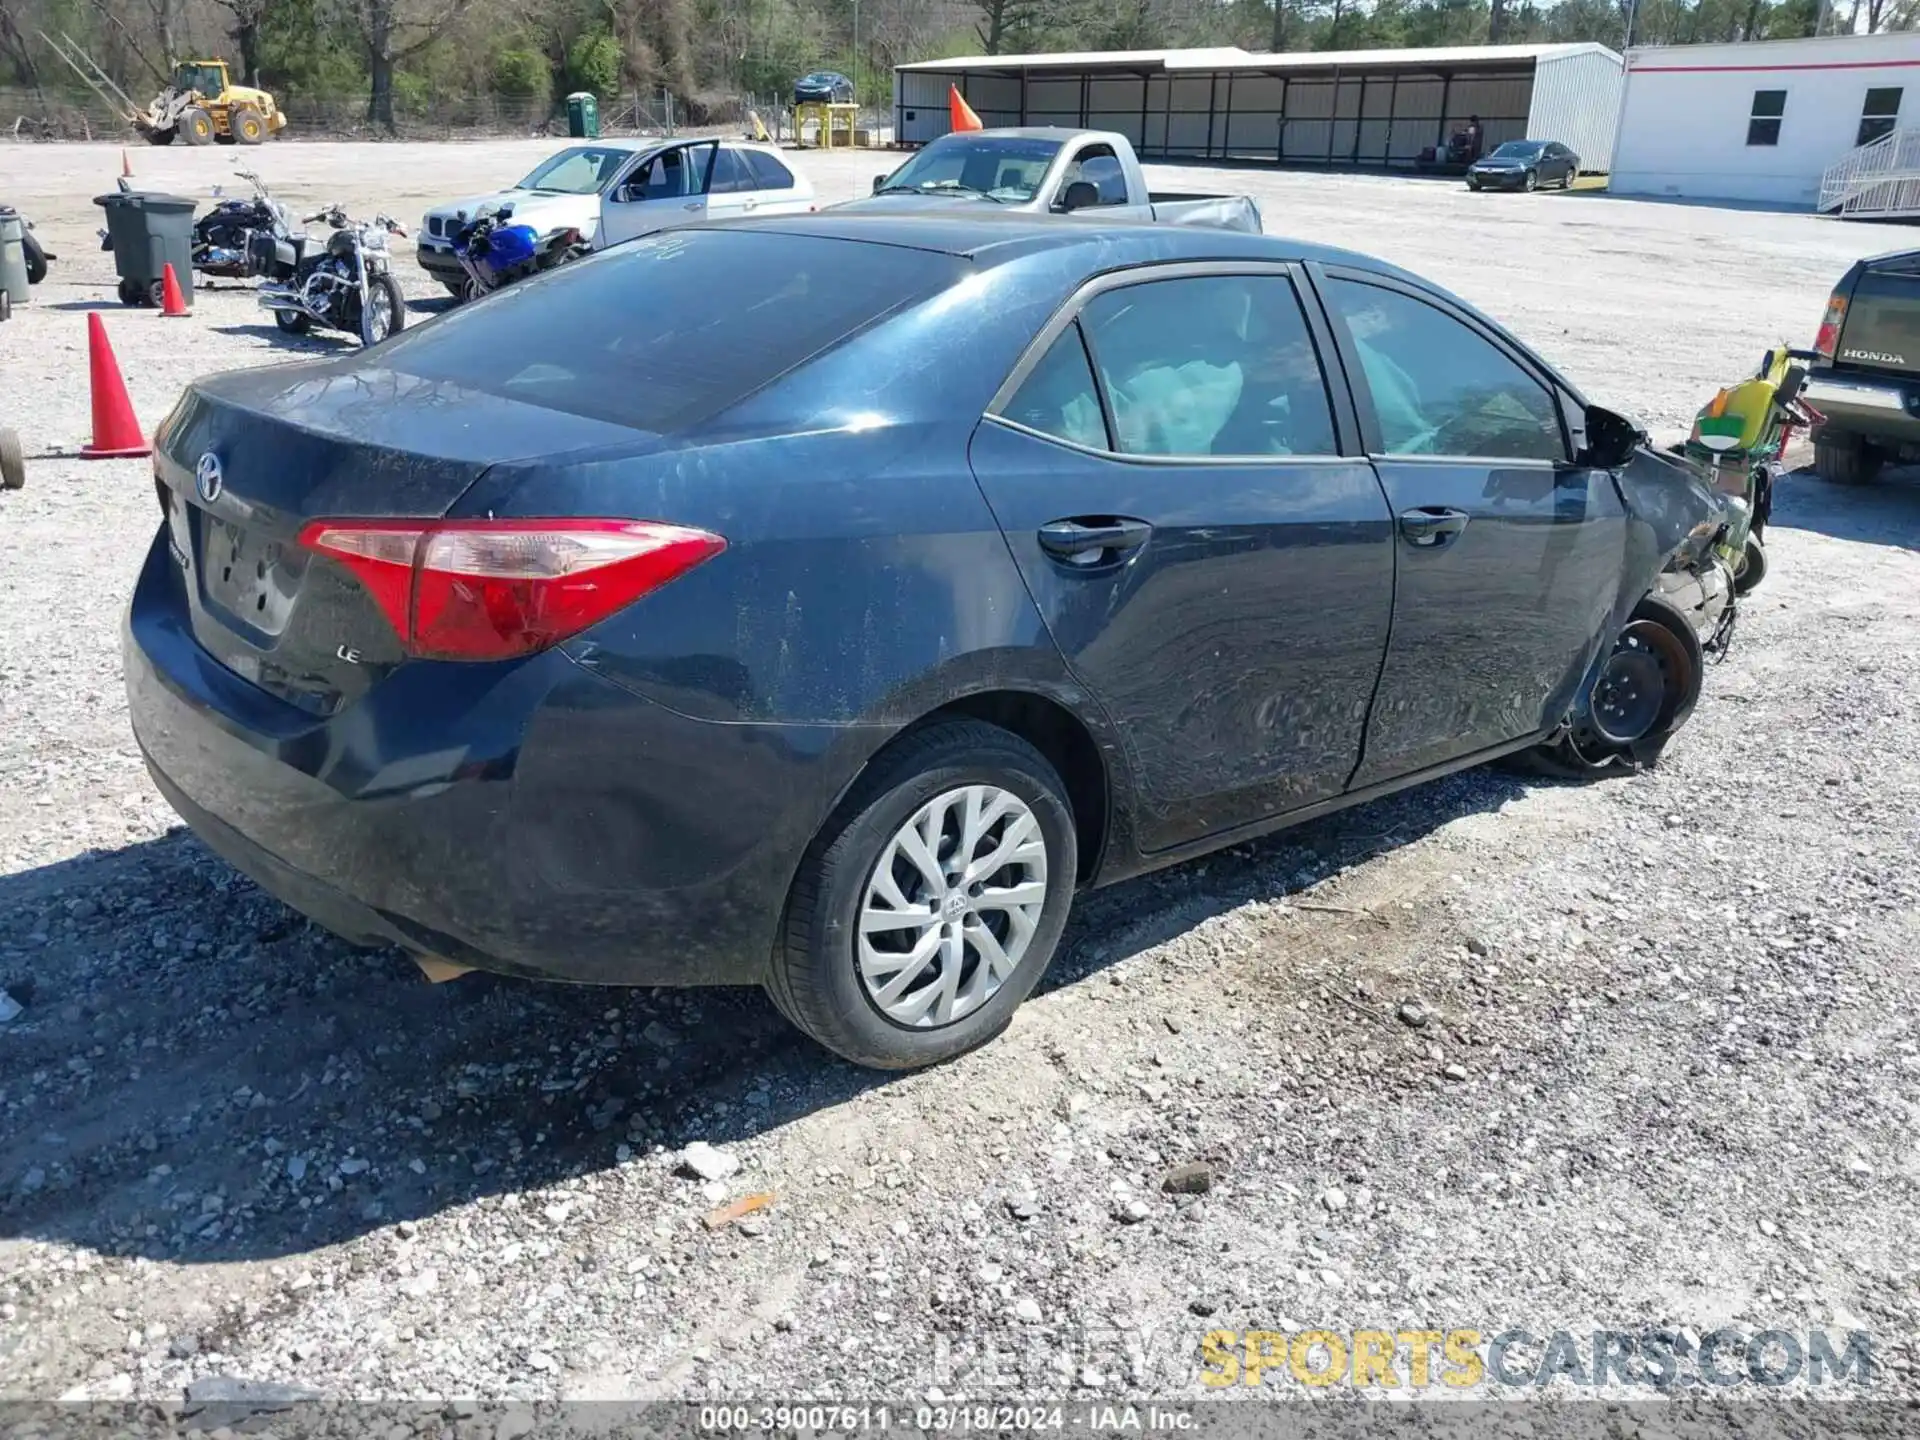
(1827,342)
(494,589)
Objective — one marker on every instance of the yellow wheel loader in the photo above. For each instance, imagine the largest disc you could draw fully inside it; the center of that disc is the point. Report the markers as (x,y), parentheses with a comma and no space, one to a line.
(200,104)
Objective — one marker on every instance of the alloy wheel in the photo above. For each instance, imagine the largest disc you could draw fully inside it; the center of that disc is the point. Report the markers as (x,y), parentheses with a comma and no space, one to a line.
(951,906)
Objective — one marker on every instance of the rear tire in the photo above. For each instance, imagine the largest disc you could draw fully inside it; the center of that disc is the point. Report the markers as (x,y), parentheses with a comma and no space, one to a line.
(1753,567)
(1658,628)
(246,125)
(292,322)
(816,977)
(13,462)
(197,126)
(1845,460)
(36,259)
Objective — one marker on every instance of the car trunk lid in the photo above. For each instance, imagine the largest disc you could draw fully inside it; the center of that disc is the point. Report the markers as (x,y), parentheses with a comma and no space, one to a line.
(247,461)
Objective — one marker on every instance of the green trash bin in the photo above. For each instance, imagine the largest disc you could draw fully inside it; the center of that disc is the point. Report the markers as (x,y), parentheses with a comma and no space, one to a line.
(583,115)
(148,232)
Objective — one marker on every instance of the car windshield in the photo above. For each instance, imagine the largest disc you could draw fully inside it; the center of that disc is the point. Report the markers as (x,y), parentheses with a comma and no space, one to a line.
(1519,150)
(583,170)
(666,331)
(998,166)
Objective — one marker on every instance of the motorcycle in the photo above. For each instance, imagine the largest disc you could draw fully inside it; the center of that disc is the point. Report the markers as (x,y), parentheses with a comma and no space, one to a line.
(221,237)
(1738,438)
(344,284)
(495,253)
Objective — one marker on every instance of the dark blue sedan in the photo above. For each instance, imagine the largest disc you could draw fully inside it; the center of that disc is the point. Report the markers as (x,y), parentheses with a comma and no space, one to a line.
(819,602)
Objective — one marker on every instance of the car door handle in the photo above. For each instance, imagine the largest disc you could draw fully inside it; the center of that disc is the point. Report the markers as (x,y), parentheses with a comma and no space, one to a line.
(694,205)
(1432,526)
(1087,541)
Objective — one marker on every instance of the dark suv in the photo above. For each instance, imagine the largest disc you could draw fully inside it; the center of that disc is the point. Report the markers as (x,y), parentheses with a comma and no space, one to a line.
(1867,383)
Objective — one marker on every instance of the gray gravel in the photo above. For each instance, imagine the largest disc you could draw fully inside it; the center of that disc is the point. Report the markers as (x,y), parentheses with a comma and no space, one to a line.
(1495,1053)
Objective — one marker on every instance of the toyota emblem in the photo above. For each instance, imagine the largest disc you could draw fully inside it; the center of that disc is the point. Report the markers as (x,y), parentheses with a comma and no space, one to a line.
(207,478)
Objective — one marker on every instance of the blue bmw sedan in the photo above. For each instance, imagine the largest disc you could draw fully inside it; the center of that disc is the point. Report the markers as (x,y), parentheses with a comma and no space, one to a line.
(820,602)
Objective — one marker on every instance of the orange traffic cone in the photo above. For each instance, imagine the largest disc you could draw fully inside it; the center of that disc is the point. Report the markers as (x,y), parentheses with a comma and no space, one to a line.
(173,304)
(116,430)
(126,166)
(960,115)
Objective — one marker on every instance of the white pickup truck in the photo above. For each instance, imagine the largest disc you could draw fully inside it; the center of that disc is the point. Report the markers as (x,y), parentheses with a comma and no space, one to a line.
(1048,172)
(613,190)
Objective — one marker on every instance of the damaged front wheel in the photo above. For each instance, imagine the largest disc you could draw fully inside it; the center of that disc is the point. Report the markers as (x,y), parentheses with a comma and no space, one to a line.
(1638,700)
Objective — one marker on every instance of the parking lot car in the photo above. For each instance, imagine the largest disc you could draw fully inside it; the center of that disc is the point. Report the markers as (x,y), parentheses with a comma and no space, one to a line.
(612,190)
(1525,165)
(823,87)
(1866,381)
(897,577)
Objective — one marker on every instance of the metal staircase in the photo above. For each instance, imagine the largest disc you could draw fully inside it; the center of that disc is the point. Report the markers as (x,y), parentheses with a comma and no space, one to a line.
(1880,180)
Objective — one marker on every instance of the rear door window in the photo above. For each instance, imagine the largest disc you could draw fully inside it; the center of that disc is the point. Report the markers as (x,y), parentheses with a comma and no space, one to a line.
(1058,397)
(730,174)
(1210,365)
(670,329)
(768,173)
(1441,388)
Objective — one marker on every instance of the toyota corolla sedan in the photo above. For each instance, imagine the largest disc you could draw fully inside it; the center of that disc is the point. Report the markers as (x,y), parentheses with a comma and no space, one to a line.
(820,602)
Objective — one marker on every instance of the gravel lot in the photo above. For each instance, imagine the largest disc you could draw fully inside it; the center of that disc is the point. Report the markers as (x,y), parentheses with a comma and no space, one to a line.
(1491,1054)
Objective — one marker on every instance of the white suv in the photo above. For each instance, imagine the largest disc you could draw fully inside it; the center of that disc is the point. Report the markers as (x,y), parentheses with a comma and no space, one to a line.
(613,190)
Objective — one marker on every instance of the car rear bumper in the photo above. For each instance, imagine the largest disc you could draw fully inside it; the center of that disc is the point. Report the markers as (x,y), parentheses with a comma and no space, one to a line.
(1871,407)
(528,817)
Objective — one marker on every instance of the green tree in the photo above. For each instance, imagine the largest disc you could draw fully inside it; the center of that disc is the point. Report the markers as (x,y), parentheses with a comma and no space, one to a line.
(593,63)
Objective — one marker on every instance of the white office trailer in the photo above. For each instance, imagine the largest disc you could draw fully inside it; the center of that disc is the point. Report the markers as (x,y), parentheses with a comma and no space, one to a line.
(1763,121)
(1343,108)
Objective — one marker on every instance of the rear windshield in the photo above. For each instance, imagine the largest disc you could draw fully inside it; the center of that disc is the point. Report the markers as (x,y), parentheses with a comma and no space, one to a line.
(664,332)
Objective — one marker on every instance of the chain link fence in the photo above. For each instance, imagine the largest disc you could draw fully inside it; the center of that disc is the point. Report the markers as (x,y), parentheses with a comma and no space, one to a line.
(51,114)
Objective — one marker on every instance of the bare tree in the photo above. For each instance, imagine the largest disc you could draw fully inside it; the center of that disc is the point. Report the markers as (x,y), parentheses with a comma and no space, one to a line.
(246,18)
(13,47)
(393,31)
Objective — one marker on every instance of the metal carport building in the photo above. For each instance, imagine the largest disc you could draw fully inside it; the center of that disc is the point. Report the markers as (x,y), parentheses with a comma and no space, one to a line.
(1354,107)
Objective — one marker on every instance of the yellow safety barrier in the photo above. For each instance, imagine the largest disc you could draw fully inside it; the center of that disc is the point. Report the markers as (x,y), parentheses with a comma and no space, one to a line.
(827,119)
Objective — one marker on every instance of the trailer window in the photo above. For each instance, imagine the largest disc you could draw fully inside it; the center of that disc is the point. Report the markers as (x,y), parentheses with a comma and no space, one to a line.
(1879,115)
(1763,125)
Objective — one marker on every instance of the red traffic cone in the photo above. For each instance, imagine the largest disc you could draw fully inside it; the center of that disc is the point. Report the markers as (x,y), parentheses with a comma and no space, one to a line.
(126,165)
(173,304)
(960,115)
(116,430)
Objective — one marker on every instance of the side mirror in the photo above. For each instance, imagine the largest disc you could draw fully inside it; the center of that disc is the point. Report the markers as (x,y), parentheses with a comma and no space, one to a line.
(1611,439)
(878,181)
(1080,195)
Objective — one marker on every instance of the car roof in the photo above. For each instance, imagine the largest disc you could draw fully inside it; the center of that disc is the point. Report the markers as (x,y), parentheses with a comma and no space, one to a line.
(996,238)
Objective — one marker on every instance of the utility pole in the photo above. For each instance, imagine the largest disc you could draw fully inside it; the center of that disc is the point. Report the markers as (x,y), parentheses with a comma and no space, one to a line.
(1633,9)
(856,64)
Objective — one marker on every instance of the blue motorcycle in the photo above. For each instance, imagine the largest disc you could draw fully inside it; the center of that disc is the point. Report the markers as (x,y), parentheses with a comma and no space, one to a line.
(494,252)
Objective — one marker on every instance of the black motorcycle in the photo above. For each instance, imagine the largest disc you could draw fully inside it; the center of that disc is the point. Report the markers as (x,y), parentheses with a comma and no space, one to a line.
(343,283)
(220,237)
